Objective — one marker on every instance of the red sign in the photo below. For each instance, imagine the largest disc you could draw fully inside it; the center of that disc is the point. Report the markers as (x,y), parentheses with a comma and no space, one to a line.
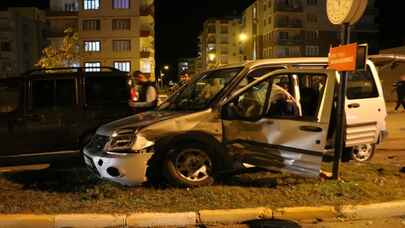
(343,58)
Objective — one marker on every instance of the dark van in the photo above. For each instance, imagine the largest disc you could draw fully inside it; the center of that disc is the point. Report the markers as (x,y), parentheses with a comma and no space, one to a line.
(46,116)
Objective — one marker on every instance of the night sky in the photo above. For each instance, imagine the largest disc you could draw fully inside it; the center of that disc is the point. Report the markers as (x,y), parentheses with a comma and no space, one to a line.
(178,23)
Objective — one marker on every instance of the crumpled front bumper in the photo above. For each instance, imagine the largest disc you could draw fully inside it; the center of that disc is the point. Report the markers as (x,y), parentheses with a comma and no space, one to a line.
(126,169)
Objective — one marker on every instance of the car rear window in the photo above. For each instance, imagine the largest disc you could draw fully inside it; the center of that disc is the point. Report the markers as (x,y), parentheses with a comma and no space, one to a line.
(361,85)
(107,90)
(9,96)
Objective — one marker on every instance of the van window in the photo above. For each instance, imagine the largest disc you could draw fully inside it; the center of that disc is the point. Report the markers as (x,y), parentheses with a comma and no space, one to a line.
(53,93)
(9,96)
(106,90)
(361,85)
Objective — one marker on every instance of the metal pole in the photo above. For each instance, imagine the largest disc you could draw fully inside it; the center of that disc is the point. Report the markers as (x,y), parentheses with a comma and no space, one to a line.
(340,112)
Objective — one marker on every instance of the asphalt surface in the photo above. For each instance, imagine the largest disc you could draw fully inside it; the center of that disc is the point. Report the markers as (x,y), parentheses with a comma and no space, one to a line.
(375,223)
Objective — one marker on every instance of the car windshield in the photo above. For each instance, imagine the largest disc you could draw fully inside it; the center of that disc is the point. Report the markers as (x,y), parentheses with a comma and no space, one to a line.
(199,94)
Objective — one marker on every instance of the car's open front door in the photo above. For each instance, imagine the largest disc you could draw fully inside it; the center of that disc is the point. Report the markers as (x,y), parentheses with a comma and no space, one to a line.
(281,121)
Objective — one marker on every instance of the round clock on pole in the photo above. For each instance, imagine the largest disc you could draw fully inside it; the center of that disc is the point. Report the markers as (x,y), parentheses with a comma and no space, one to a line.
(345,11)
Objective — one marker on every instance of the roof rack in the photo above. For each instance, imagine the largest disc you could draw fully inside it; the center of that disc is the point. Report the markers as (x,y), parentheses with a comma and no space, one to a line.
(71,69)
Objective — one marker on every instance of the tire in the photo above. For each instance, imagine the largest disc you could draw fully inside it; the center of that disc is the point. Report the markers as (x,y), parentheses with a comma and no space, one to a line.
(363,152)
(190,165)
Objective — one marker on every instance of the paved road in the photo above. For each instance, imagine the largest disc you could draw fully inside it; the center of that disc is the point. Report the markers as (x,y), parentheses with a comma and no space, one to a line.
(392,151)
(376,223)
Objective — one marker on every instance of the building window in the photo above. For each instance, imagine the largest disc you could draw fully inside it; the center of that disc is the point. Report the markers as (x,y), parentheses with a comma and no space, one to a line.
(211,47)
(211,28)
(311,35)
(224,59)
(123,66)
(92,46)
(121,24)
(92,66)
(146,66)
(283,35)
(312,2)
(269,20)
(91,4)
(71,7)
(91,25)
(312,18)
(120,4)
(312,50)
(5,46)
(224,29)
(121,45)
(224,40)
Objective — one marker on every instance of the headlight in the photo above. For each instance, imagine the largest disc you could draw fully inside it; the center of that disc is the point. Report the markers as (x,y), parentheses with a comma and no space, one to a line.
(121,141)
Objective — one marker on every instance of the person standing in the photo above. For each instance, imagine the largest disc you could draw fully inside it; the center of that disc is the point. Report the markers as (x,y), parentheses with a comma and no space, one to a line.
(147,93)
(400,88)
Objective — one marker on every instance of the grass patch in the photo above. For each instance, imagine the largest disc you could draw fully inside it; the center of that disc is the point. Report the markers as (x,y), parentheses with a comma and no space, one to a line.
(77,191)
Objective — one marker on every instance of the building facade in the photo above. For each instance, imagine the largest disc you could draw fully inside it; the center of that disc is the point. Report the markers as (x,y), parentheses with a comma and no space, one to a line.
(117,33)
(292,28)
(219,43)
(22,38)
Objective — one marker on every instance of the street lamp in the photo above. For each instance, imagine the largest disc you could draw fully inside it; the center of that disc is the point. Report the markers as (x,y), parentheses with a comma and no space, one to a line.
(243,37)
(212,56)
(166,67)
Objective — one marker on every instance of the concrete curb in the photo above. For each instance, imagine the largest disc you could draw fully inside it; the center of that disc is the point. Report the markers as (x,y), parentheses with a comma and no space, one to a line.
(231,216)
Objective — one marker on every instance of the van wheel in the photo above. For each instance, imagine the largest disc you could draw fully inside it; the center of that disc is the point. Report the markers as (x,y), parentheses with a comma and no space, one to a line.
(190,165)
(363,152)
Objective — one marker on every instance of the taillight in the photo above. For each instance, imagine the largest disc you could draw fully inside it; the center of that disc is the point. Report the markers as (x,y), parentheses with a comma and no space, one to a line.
(134,94)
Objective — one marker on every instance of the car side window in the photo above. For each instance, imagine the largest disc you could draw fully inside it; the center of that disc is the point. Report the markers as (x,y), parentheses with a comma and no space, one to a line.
(42,94)
(283,101)
(48,94)
(106,90)
(251,103)
(361,85)
(311,87)
(10,94)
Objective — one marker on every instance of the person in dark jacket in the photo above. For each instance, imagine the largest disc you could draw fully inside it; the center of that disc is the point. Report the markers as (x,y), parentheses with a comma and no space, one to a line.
(400,88)
(147,93)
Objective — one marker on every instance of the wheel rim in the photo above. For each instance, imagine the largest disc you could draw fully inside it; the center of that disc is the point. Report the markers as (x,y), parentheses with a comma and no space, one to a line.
(193,165)
(362,152)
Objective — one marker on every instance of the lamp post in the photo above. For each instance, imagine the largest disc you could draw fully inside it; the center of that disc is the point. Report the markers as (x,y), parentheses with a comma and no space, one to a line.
(242,39)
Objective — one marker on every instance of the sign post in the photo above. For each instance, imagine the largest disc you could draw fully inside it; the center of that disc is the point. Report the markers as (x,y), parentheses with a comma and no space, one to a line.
(347,60)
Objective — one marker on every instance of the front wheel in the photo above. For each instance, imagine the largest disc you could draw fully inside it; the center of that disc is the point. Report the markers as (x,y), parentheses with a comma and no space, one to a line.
(190,166)
(363,152)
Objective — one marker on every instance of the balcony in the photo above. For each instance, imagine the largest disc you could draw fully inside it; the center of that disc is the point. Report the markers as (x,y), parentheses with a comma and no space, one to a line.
(147,11)
(289,41)
(288,7)
(61,14)
(145,54)
(288,24)
(145,33)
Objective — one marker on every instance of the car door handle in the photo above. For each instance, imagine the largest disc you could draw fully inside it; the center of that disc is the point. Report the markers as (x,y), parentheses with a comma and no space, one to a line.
(354,105)
(310,128)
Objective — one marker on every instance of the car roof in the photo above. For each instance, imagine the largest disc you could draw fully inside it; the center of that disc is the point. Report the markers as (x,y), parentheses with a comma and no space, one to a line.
(70,72)
(276,61)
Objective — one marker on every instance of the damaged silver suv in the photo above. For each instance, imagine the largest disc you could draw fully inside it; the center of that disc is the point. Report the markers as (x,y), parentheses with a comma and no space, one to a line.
(276,114)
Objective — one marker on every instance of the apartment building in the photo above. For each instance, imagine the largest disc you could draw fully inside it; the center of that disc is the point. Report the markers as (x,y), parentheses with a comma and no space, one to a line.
(22,37)
(118,33)
(292,28)
(219,43)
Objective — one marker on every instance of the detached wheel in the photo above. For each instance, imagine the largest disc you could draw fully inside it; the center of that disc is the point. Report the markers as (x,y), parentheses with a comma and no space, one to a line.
(363,152)
(190,166)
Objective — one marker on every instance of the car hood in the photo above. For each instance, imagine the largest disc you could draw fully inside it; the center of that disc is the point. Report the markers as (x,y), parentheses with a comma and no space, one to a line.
(136,121)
